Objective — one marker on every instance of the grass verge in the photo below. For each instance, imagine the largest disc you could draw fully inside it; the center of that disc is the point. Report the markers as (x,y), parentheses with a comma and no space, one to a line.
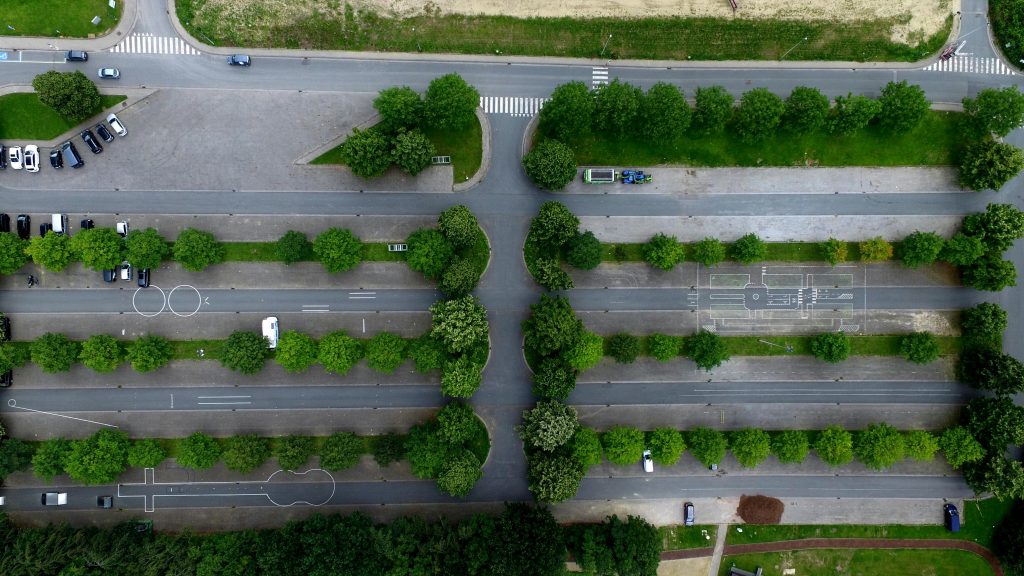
(871,345)
(24,117)
(266,252)
(863,561)
(58,17)
(678,537)
(1008,28)
(777,252)
(650,38)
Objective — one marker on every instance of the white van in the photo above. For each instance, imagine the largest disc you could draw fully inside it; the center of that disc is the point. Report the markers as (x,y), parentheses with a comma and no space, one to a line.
(59,223)
(270,330)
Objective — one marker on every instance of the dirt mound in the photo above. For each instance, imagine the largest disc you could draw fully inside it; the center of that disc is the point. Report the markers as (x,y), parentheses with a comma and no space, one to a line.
(760,509)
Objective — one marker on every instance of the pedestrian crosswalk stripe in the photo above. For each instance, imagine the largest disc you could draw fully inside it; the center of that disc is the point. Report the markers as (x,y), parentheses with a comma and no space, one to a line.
(599,76)
(511,105)
(971,64)
(145,43)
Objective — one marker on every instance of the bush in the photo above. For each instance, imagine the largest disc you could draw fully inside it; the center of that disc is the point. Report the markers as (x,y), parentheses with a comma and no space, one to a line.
(459,278)
(293,452)
(834,251)
(459,474)
(338,250)
(761,510)
(709,251)
(52,252)
(244,352)
(662,347)
(385,352)
(459,226)
(806,110)
(146,453)
(149,353)
(367,153)
(245,453)
(706,445)
(983,325)
(198,451)
(196,249)
(295,352)
(461,324)
(920,445)
(586,353)
(921,248)
(616,106)
(146,248)
(341,450)
(400,108)
(876,249)
(758,115)
(549,274)
(664,111)
(960,447)
(851,113)
(554,379)
(831,347)
(339,352)
(54,352)
(586,447)
(48,460)
(879,446)
(989,164)
(412,152)
(790,446)
(707,349)
(963,250)
(461,377)
(72,95)
(569,113)
(666,446)
(98,459)
(584,251)
(388,448)
(622,445)
(919,347)
(625,348)
(551,165)
(834,446)
(429,252)
(903,107)
(292,247)
(427,451)
(750,446)
(749,249)
(12,253)
(456,422)
(450,103)
(663,252)
(713,108)
(548,426)
(101,352)
(427,353)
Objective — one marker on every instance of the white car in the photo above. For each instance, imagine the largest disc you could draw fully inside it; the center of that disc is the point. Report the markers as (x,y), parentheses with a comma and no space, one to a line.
(648,462)
(126,271)
(116,125)
(270,331)
(14,157)
(54,498)
(32,158)
(122,228)
(109,73)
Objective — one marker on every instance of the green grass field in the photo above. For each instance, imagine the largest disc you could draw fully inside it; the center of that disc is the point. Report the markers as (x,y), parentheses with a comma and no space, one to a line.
(24,117)
(863,562)
(678,537)
(57,17)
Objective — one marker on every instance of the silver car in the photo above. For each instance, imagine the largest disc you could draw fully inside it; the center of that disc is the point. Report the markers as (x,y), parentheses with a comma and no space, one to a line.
(108,73)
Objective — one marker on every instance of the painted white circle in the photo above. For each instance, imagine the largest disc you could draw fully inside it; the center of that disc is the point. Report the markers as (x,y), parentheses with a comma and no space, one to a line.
(199,301)
(11,403)
(162,306)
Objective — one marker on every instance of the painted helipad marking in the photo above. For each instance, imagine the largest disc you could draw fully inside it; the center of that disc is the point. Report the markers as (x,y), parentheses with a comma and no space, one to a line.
(179,314)
(162,306)
(13,404)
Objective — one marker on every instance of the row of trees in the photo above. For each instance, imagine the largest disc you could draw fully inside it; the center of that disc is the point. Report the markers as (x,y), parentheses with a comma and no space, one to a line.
(455,254)
(555,236)
(449,104)
(521,540)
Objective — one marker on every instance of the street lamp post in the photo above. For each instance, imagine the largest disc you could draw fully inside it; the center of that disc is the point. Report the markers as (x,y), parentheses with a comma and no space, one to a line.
(793,48)
(606,44)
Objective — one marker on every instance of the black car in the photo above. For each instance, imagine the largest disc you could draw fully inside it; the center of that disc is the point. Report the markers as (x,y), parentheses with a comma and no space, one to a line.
(70,154)
(86,224)
(104,133)
(44,228)
(90,139)
(3,157)
(105,501)
(6,379)
(110,275)
(56,160)
(239,60)
(5,328)
(5,222)
(24,226)
(144,278)
(76,56)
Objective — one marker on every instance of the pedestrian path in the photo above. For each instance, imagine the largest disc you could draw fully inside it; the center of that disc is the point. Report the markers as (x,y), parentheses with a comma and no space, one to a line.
(145,43)
(511,105)
(599,76)
(971,64)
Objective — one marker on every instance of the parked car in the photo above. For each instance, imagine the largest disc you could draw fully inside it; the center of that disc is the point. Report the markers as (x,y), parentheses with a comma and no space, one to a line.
(115,124)
(126,271)
(122,228)
(105,501)
(108,73)
(103,133)
(90,140)
(76,56)
(270,331)
(56,160)
(3,157)
(239,60)
(648,461)
(71,156)
(5,329)
(952,517)
(44,228)
(59,223)
(6,379)
(144,278)
(32,158)
(5,222)
(110,275)
(24,226)
(15,157)
(688,514)
(55,498)
(86,224)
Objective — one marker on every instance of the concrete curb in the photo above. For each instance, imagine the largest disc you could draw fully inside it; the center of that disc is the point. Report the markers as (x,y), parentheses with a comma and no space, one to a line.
(485,157)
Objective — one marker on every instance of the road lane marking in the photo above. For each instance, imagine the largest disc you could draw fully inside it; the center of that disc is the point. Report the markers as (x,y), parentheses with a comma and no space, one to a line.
(14,404)
(316,308)
(361,295)
(223,403)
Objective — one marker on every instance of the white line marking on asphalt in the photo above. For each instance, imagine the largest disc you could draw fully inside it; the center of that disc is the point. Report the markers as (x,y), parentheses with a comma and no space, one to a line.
(214,397)
(14,404)
(172,400)
(351,293)
(222,403)
(316,308)
(364,325)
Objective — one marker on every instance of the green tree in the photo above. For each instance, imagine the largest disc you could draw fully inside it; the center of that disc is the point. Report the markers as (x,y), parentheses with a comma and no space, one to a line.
(750,446)
(666,446)
(663,252)
(549,274)
(1008,540)
(400,108)
(427,451)
(616,106)
(459,474)
(851,113)
(459,278)
(663,347)
(338,352)
(388,448)
(995,112)
(341,450)
(709,251)
(295,351)
(461,377)
(529,541)
(552,326)
(456,422)
(990,273)
(983,325)
(585,251)
(146,453)
(904,106)
(623,445)
(146,248)
(553,478)
(98,459)
(998,226)
(293,452)
(429,252)
(749,249)
(706,445)
(48,461)
(758,115)
(834,251)
(919,347)
(586,447)
(554,225)
(338,249)
(52,251)
(991,370)
(412,151)
(960,447)
(921,248)
(831,347)
(197,249)
(995,422)
(12,253)
(989,164)
(450,103)
(790,446)
(71,94)
(554,379)
(550,164)
(664,112)
(707,349)
(385,352)
(876,249)
(149,353)
(548,425)
(54,352)
(427,353)
(293,247)
(459,226)
(625,348)
(570,112)
(245,453)
(834,446)
(367,153)
(920,445)
(460,324)
(99,248)
(879,446)
(586,353)
(712,109)
(198,451)
(996,474)
(101,352)
(245,352)
(806,110)
(962,250)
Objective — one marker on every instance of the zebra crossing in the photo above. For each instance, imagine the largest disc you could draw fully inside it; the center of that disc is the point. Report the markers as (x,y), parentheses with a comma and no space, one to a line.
(145,43)
(971,64)
(599,76)
(511,105)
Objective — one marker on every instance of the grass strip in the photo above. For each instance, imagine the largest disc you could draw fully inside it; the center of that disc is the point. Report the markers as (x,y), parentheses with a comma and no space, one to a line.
(267,252)
(860,345)
(58,18)
(776,252)
(24,117)
(865,561)
(676,537)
